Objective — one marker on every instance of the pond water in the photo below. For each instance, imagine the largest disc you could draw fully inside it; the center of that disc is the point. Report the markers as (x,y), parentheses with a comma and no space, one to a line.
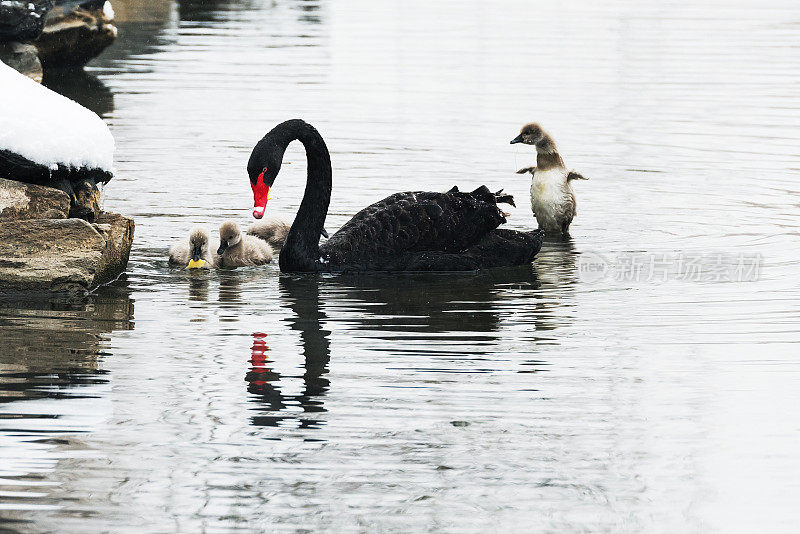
(641,377)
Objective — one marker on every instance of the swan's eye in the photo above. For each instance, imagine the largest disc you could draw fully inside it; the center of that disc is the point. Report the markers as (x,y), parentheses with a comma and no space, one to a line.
(261,176)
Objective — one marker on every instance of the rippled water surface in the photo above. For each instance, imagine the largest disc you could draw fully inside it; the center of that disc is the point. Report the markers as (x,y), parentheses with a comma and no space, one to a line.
(642,377)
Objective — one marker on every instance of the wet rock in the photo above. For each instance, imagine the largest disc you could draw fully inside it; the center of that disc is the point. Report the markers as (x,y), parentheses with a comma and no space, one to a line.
(22,20)
(19,201)
(75,32)
(65,257)
(23,58)
(118,233)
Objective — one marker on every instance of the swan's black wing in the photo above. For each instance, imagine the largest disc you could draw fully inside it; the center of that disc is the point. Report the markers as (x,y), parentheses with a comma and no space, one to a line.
(418,231)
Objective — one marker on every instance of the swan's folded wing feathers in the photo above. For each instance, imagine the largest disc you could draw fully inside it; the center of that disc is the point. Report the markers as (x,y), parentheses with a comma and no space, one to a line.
(413,222)
(499,248)
(433,210)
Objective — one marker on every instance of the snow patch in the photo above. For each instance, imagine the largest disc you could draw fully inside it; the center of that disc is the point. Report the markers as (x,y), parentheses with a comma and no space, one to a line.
(50,129)
(108,11)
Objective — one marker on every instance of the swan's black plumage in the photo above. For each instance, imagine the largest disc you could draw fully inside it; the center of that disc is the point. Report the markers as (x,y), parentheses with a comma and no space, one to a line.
(410,231)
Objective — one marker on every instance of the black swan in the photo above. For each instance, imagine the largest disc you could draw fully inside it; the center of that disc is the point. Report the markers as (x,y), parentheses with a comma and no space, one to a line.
(411,231)
(552,199)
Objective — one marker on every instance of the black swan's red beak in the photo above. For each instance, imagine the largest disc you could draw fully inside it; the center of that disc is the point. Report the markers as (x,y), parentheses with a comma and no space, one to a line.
(260,196)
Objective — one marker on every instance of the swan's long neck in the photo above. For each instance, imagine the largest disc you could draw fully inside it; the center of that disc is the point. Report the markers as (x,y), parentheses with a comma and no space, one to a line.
(300,252)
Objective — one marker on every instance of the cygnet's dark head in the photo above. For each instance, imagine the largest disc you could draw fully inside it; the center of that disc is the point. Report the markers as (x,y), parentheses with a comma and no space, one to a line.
(229,235)
(533,134)
(198,243)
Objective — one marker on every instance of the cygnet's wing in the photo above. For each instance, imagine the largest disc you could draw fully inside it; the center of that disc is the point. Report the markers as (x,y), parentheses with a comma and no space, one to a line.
(179,253)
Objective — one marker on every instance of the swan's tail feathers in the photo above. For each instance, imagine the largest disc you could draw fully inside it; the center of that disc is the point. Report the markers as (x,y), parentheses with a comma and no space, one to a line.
(482,191)
(501,198)
(575,176)
(484,194)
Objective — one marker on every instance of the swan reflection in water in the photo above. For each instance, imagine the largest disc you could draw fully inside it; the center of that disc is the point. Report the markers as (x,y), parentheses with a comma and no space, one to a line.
(442,321)
(300,295)
(557,264)
(461,310)
(198,286)
(230,292)
(421,305)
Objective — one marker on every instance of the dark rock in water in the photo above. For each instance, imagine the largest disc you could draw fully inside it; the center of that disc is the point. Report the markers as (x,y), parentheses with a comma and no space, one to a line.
(22,58)
(85,200)
(19,201)
(75,32)
(67,257)
(79,184)
(22,20)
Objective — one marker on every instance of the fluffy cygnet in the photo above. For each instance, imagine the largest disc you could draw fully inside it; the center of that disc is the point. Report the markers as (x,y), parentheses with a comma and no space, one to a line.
(552,199)
(272,230)
(240,250)
(196,252)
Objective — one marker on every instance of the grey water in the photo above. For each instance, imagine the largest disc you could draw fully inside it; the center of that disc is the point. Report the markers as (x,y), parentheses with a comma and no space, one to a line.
(640,377)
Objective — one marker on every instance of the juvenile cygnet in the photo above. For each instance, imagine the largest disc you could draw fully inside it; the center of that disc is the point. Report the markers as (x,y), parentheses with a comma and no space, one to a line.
(194,253)
(273,231)
(240,250)
(270,229)
(552,199)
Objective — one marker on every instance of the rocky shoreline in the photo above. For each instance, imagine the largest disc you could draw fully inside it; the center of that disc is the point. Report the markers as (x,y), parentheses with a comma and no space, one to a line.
(44,252)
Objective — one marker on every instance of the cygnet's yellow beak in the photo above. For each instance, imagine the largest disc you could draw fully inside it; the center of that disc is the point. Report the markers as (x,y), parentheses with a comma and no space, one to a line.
(195,264)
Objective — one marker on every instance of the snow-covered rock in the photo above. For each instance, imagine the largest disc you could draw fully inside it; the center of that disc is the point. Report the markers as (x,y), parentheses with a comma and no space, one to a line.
(49,129)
